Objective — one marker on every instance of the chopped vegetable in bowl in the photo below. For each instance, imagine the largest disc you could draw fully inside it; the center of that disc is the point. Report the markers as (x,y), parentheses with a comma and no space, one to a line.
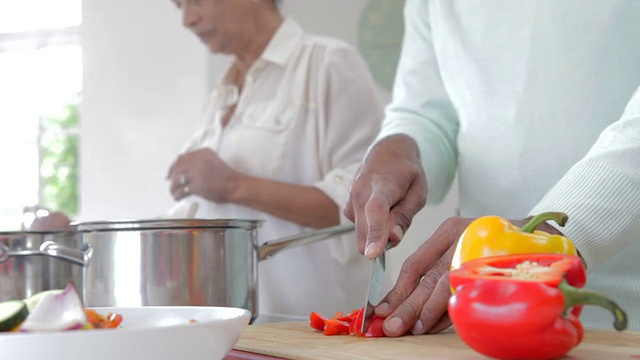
(53,310)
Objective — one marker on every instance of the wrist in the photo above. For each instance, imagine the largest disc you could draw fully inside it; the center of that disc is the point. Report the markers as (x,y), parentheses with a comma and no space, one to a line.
(403,144)
(239,189)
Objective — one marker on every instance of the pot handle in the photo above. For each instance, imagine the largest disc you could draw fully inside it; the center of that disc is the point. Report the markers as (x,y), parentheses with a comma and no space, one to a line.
(52,249)
(270,248)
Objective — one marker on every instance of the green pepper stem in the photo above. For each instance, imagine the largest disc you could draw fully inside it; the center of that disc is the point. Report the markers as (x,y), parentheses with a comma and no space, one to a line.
(576,296)
(558,217)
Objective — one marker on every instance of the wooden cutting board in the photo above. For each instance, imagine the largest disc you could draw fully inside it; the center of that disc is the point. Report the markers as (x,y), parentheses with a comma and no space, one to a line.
(296,340)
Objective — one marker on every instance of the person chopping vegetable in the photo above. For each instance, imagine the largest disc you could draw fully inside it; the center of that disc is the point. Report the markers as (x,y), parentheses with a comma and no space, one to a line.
(529,104)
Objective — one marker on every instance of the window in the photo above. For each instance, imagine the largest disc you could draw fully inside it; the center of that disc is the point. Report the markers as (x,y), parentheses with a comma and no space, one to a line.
(40,92)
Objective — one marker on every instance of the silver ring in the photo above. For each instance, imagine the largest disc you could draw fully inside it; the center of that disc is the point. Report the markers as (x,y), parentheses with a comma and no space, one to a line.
(186,189)
(183,180)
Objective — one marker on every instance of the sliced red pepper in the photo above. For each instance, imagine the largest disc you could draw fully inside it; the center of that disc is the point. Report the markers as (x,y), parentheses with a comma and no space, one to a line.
(114,320)
(317,321)
(352,327)
(336,327)
(517,306)
(348,317)
(341,324)
(111,321)
(375,329)
(358,323)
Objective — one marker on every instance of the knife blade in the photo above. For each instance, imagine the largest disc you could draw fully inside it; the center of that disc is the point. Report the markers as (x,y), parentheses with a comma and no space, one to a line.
(375,290)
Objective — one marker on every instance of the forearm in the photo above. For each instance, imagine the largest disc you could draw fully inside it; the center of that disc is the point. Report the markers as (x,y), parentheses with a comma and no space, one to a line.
(603,212)
(303,205)
(601,192)
(421,107)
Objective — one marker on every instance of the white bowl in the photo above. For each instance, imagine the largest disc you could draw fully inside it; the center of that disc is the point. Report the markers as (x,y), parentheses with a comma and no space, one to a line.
(153,332)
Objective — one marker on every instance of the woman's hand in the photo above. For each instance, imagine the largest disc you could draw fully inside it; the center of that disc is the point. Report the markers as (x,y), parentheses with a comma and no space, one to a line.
(388,191)
(54,221)
(203,173)
(418,301)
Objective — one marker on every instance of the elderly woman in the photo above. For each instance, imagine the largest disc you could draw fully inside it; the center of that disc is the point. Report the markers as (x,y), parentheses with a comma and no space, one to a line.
(282,135)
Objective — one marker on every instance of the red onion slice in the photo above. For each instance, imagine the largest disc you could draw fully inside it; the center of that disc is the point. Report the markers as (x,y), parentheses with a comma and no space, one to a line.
(56,311)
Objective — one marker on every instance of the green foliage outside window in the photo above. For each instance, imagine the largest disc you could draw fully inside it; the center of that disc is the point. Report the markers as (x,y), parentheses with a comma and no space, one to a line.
(59,159)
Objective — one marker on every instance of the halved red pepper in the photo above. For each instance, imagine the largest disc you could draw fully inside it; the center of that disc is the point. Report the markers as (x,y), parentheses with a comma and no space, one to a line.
(523,306)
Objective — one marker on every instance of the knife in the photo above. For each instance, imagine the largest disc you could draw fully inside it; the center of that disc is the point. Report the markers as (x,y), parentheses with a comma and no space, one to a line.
(375,290)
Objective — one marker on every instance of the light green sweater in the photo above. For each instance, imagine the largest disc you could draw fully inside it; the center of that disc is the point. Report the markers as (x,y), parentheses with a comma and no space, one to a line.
(525,100)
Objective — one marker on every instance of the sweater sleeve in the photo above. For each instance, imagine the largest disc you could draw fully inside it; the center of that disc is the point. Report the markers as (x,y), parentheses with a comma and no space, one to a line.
(420,107)
(601,193)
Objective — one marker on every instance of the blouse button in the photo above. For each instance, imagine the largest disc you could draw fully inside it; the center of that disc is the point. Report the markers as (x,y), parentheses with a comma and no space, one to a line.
(338,178)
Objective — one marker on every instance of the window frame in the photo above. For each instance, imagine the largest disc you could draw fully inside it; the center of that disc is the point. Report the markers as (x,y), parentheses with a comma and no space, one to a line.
(37,40)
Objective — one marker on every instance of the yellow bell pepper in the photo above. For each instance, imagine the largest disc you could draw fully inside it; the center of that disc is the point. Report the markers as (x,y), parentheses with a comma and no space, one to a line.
(493,235)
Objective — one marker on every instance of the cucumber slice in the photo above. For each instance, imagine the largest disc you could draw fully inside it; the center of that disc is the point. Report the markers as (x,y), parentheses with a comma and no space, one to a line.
(12,314)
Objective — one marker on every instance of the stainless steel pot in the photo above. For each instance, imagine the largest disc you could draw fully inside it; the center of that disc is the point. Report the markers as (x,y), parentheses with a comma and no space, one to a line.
(173,262)
(31,262)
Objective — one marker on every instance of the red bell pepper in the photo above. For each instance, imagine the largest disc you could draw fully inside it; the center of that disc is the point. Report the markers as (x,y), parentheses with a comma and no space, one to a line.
(523,306)
(350,324)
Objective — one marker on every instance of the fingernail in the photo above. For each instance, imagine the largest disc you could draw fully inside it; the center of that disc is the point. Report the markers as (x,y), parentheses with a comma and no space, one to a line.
(382,307)
(398,231)
(417,328)
(394,325)
(369,250)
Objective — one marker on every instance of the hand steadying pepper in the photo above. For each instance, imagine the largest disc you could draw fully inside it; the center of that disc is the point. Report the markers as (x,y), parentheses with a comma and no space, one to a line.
(418,301)
(523,306)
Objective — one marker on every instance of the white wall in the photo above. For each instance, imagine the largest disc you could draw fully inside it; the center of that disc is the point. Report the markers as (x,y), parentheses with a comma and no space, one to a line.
(145,82)
(337,18)
(146,78)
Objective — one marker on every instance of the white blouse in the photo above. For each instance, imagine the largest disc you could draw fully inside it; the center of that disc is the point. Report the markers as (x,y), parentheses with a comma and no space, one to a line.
(307,114)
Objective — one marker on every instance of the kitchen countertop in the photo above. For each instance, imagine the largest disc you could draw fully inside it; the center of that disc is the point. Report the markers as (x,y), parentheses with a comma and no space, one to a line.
(297,340)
